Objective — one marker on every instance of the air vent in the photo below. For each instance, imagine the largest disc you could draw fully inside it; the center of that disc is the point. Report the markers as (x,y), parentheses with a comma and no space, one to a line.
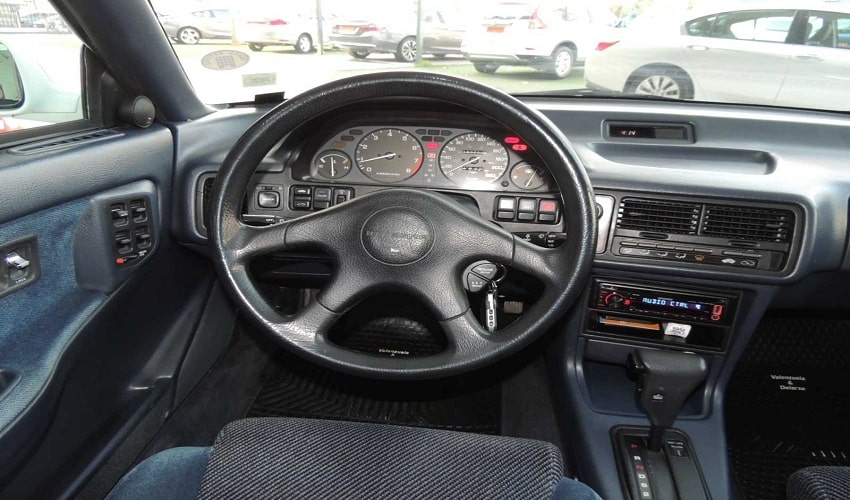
(63,142)
(748,223)
(658,216)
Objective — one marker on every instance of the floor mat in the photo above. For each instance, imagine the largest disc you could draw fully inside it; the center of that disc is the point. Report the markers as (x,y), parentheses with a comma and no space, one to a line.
(300,389)
(788,403)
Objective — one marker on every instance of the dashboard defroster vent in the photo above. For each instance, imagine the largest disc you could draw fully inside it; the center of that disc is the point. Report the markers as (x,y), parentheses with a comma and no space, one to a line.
(658,216)
(748,223)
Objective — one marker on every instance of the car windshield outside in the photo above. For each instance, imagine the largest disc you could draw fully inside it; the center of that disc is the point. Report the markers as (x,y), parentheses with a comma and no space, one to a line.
(761,52)
(775,53)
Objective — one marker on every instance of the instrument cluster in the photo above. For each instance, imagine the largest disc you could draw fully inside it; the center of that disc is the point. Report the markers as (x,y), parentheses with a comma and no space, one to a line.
(430,157)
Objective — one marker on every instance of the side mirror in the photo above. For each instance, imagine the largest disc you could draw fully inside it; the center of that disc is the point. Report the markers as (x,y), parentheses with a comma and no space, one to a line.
(11,88)
(35,93)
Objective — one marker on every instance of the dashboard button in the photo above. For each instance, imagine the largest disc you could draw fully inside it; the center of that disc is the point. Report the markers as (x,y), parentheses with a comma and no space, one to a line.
(527,205)
(665,247)
(301,204)
(526,216)
(505,215)
(318,205)
(302,191)
(268,199)
(505,203)
(341,195)
(548,207)
(628,243)
(322,194)
(647,245)
(546,217)
(684,249)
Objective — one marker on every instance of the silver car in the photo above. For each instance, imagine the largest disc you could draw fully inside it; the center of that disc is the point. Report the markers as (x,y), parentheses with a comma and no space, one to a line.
(395,33)
(191,27)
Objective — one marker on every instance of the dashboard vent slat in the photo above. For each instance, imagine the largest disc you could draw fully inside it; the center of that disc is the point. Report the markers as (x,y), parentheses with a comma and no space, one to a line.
(748,223)
(670,217)
(63,142)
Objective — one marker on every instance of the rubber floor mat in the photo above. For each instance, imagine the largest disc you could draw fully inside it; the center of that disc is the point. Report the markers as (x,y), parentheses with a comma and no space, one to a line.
(788,403)
(300,389)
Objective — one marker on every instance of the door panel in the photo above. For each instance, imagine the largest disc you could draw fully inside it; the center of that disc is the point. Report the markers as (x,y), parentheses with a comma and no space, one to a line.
(97,344)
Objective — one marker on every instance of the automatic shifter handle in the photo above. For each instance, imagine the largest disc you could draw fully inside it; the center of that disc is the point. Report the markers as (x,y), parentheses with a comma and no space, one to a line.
(665,380)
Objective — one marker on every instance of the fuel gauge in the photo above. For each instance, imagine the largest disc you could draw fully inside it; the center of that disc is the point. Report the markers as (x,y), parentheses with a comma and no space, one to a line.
(527,177)
(332,164)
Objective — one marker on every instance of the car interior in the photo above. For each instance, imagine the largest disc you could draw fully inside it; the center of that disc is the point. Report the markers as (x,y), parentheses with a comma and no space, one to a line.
(315,296)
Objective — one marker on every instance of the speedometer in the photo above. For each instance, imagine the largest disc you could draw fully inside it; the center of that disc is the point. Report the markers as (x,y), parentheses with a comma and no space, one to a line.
(389,155)
(473,159)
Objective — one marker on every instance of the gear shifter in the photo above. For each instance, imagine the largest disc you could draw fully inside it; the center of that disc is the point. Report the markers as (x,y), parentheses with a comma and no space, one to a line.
(665,380)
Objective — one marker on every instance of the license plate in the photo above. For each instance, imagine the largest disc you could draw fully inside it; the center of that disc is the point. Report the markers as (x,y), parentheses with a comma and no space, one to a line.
(495,29)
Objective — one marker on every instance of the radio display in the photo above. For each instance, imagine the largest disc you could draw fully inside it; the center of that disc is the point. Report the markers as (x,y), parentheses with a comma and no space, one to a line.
(663,303)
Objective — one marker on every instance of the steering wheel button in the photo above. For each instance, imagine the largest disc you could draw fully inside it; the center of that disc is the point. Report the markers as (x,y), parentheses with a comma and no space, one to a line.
(528,205)
(268,199)
(322,194)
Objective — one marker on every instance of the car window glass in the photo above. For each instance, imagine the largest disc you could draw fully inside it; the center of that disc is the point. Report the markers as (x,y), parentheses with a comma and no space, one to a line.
(760,26)
(40,71)
(827,29)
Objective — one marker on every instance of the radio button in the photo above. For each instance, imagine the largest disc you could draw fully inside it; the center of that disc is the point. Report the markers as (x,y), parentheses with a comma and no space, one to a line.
(703,250)
(628,243)
(647,245)
(684,249)
(666,247)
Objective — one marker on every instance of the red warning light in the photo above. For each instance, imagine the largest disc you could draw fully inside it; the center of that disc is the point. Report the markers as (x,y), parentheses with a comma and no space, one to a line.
(519,147)
(432,145)
(511,140)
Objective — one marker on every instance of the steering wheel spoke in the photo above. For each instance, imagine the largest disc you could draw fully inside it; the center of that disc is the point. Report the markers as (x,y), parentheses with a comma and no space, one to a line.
(246,242)
(465,335)
(535,261)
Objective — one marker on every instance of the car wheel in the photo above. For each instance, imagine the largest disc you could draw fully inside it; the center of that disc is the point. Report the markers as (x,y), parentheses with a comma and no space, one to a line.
(488,68)
(563,60)
(359,54)
(669,82)
(304,44)
(256,47)
(406,51)
(189,35)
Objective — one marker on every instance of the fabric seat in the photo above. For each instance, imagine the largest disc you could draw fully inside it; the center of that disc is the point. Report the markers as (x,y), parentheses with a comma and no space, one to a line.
(819,483)
(302,458)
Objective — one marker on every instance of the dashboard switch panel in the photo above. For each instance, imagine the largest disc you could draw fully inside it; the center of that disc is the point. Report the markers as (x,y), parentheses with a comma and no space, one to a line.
(309,198)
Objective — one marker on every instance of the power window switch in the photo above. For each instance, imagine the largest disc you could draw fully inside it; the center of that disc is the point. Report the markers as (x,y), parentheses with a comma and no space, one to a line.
(139,210)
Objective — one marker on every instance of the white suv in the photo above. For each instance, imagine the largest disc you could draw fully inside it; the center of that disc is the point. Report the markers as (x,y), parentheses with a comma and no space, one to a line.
(552,36)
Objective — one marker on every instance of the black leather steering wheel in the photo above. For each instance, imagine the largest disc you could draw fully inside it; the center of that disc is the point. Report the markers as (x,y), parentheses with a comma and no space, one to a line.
(412,241)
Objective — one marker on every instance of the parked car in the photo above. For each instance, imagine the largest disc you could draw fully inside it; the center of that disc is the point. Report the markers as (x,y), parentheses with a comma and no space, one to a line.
(394,32)
(191,27)
(552,36)
(774,56)
(299,30)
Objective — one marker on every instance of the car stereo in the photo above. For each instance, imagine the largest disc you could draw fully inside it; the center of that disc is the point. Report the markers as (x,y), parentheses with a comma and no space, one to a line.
(662,303)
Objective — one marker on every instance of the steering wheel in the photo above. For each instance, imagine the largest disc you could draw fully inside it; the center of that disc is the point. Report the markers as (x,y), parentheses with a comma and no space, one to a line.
(412,241)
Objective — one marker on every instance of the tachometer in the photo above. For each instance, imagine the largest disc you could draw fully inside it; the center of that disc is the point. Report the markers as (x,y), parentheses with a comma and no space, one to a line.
(473,159)
(389,155)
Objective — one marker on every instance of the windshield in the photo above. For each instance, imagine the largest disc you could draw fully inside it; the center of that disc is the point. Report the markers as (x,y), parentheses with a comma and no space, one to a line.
(775,53)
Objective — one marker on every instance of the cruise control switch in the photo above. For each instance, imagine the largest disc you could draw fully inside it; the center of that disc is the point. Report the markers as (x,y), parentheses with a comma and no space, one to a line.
(665,380)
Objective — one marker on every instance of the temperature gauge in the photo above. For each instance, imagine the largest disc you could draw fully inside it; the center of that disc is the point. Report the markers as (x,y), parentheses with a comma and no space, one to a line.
(332,164)
(527,177)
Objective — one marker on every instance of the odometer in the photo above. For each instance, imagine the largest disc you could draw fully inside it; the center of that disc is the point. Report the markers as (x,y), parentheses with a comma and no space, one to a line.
(473,158)
(389,155)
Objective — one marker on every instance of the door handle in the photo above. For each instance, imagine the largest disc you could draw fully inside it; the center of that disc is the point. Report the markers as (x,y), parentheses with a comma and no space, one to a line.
(809,57)
(699,48)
